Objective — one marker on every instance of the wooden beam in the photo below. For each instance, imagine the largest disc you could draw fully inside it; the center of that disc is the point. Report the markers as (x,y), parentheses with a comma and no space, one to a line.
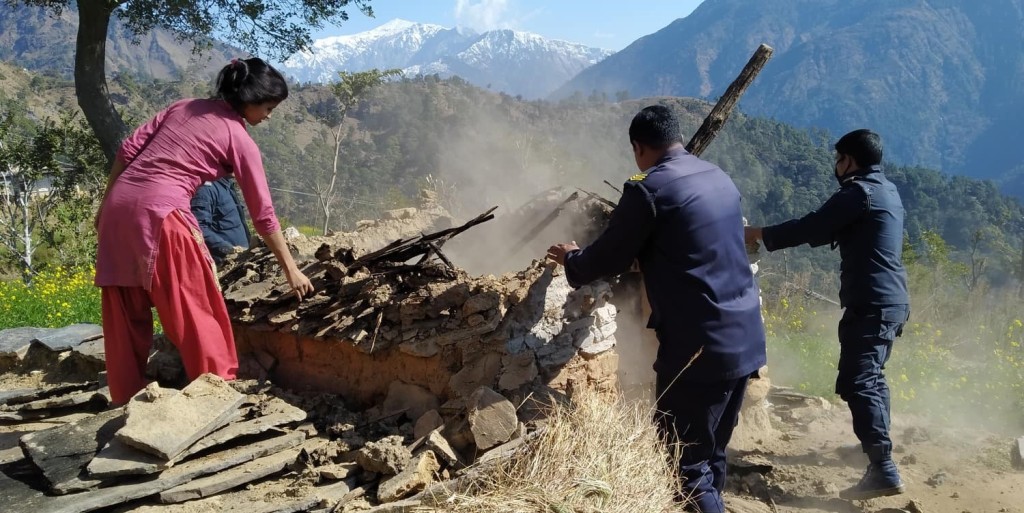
(715,120)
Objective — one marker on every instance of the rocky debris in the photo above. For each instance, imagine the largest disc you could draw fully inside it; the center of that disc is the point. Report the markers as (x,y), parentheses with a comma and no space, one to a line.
(338,471)
(14,343)
(438,444)
(63,452)
(398,332)
(74,346)
(69,337)
(165,424)
(427,422)
(754,424)
(351,288)
(387,456)
(412,400)
(119,459)
(1017,453)
(415,477)
(492,418)
(936,479)
(236,476)
(796,408)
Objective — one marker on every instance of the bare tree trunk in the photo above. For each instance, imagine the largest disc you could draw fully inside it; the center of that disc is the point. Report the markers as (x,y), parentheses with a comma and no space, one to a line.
(90,77)
(26,237)
(327,198)
(720,113)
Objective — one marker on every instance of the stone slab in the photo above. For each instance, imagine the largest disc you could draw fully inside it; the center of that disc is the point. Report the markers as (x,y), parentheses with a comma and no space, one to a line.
(118,459)
(231,478)
(275,413)
(104,497)
(19,394)
(14,343)
(14,492)
(166,424)
(68,337)
(25,395)
(101,396)
(93,349)
(63,452)
(10,451)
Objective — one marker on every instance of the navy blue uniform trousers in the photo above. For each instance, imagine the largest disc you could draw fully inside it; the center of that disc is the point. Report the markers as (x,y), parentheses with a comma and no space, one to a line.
(698,419)
(866,336)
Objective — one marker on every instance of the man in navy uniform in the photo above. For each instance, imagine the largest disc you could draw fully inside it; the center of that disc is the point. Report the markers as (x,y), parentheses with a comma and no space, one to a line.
(680,220)
(865,220)
(221,216)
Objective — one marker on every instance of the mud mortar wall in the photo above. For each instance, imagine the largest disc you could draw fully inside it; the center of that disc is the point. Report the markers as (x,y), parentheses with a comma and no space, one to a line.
(520,334)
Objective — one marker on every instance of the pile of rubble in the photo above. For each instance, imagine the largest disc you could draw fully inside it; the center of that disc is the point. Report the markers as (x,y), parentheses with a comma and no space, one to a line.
(62,449)
(403,321)
(405,369)
(402,370)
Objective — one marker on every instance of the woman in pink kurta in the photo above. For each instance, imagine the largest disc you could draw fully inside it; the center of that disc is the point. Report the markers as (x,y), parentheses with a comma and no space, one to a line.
(151,252)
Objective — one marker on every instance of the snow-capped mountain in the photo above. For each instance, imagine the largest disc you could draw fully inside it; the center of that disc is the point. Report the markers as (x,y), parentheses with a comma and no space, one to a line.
(518,63)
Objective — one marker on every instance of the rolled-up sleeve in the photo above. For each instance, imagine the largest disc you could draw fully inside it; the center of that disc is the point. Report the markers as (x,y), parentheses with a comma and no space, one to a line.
(819,227)
(615,249)
(247,164)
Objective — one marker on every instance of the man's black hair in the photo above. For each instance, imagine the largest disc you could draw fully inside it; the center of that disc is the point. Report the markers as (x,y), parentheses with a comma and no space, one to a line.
(655,127)
(864,146)
(250,82)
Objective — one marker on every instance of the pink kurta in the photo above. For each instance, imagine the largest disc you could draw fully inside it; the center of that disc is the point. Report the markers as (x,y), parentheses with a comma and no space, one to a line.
(168,158)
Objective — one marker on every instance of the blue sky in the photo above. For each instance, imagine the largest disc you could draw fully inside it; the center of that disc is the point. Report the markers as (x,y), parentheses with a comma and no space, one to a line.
(611,24)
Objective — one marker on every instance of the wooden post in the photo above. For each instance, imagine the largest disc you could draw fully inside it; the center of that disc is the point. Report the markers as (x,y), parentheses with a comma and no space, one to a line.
(720,113)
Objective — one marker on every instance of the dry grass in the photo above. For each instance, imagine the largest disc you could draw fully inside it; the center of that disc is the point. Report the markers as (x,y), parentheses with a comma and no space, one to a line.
(596,454)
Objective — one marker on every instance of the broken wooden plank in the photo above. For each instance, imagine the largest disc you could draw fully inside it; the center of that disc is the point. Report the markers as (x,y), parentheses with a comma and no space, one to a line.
(63,452)
(165,424)
(231,478)
(104,497)
(723,108)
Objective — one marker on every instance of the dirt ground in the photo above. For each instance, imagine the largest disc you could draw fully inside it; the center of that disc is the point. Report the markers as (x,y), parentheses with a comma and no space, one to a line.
(946,470)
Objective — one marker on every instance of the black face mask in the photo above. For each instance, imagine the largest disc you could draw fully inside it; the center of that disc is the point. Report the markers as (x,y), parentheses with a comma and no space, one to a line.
(835,170)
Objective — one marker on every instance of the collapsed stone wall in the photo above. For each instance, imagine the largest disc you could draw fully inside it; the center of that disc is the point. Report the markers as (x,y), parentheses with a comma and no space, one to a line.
(414,337)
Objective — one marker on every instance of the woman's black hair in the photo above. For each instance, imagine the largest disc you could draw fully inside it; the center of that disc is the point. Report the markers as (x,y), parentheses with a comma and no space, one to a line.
(250,82)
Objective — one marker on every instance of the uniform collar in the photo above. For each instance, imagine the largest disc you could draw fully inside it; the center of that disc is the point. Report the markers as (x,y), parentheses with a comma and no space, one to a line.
(670,154)
(860,173)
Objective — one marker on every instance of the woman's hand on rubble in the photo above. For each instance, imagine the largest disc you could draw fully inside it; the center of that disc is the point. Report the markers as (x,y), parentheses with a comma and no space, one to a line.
(558,252)
(301,285)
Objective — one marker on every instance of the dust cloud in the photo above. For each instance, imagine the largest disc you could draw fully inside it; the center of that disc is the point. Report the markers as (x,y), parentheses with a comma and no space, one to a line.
(544,196)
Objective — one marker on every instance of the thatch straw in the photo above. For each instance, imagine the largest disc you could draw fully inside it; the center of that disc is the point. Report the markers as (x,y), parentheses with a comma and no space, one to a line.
(595,454)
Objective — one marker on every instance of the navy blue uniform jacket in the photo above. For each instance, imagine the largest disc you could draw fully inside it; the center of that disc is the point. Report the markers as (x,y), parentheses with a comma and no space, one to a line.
(221,217)
(681,222)
(864,218)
